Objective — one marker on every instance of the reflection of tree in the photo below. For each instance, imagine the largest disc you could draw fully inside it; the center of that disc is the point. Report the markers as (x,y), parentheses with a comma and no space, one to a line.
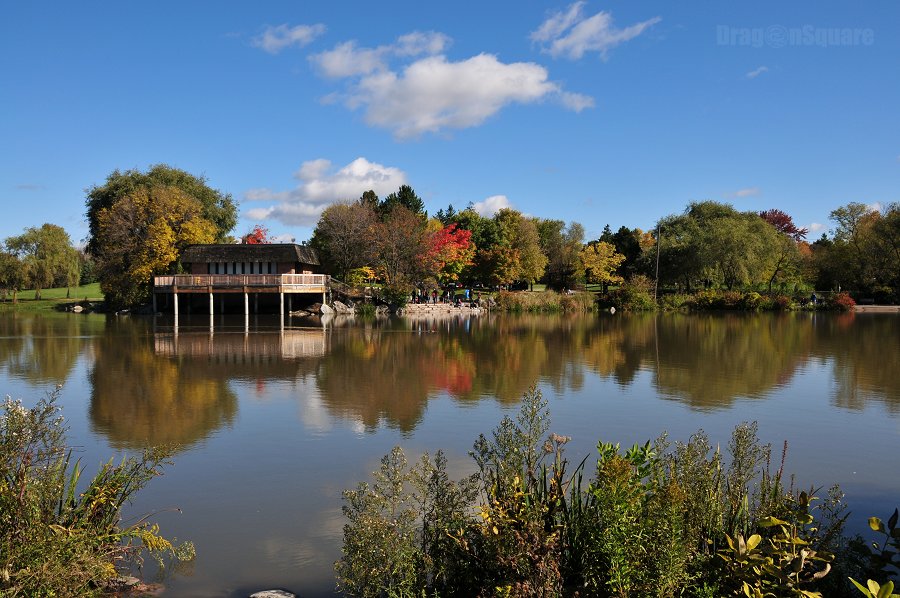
(389,370)
(709,360)
(42,349)
(866,358)
(141,399)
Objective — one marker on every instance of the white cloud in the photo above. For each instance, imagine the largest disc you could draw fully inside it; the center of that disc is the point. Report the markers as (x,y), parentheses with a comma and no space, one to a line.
(320,186)
(571,35)
(815,227)
(348,60)
(875,206)
(491,205)
(274,39)
(757,72)
(747,192)
(431,93)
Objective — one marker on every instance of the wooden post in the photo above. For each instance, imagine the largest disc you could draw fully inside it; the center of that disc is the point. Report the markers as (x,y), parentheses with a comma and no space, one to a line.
(281,304)
(246,303)
(210,303)
(154,302)
(175,299)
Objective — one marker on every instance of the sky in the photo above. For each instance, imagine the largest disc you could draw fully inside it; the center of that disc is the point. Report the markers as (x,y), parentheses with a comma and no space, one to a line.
(612,112)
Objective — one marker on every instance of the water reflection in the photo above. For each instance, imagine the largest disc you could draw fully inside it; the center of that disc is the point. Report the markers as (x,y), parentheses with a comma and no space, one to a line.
(140,398)
(151,384)
(42,350)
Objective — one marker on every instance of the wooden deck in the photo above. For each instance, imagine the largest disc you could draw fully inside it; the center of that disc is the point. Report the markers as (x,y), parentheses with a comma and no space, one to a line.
(241,283)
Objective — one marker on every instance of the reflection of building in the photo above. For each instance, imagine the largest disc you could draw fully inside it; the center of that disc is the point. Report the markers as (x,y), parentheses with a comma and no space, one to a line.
(231,272)
(242,349)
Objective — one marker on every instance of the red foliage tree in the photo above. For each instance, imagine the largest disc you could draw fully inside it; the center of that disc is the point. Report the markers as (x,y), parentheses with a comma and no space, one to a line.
(450,250)
(783,224)
(258,235)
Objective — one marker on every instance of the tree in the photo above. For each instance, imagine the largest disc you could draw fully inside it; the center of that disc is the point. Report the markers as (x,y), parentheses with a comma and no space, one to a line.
(140,222)
(856,245)
(784,224)
(258,235)
(216,207)
(141,235)
(406,197)
(400,244)
(47,256)
(561,246)
(600,261)
(343,236)
(520,235)
(450,251)
(12,274)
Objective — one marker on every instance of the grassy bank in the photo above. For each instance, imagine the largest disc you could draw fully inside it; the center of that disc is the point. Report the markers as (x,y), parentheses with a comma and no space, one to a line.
(52,298)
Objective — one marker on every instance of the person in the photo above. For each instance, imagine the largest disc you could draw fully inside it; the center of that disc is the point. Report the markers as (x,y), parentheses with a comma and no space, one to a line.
(434,296)
(814,299)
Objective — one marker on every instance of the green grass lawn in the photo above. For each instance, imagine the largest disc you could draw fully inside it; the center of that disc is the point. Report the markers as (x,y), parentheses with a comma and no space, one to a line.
(50,298)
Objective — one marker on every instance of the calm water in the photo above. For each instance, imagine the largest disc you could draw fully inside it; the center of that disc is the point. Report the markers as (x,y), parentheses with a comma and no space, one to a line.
(273,424)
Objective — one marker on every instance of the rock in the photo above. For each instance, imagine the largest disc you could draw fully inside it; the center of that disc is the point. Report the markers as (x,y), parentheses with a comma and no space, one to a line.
(302,313)
(325,309)
(78,309)
(273,594)
(382,310)
(341,308)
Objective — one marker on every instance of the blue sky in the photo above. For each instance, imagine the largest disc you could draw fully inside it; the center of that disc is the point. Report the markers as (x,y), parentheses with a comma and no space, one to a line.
(615,112)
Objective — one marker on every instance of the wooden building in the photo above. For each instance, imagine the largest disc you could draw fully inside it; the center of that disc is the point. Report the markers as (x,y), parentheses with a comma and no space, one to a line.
(225,272)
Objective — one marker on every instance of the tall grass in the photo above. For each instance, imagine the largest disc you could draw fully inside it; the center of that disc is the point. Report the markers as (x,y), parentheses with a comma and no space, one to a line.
(544,301)
(60,536)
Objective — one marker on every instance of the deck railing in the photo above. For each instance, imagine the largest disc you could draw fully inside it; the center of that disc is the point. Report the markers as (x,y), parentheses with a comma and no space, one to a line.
(187,281)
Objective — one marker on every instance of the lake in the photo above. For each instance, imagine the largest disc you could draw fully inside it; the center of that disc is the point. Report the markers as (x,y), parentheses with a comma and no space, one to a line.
(273,422)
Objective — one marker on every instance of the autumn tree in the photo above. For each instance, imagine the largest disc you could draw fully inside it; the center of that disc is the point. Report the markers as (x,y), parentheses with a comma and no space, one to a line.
(400,244)
(215,206)
(142,235)
(258,235)
(600,262)
(784,224)
(519,236)
(139,222)
(47,257)
(343,236)
(450,251)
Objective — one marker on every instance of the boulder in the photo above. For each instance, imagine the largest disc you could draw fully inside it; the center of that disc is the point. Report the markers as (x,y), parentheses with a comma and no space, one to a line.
(325,309)
(341,308)
(273,594)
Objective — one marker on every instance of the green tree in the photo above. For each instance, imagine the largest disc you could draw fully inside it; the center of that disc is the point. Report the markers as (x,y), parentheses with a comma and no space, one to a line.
(520,235)
(405,196)
(561,246)
(47,256)
(139,222)
(12,274)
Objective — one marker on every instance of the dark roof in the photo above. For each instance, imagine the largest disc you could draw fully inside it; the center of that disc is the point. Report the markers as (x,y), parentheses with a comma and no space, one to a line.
(265,252)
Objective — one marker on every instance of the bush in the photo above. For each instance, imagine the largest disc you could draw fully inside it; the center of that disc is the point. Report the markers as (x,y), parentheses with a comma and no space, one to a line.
(653,521)
(675,301)
(840,302)
(632,295)
(366,310)
(55,540)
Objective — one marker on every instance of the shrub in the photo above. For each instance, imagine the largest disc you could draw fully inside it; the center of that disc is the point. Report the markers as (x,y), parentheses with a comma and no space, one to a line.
(53,539)
(840,302)
(632,295)
(544,301)
(653,521)
(675,301)
(365,310)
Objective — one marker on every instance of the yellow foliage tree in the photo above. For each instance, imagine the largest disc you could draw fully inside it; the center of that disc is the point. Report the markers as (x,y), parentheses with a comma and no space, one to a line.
(141,235)
(600,262)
